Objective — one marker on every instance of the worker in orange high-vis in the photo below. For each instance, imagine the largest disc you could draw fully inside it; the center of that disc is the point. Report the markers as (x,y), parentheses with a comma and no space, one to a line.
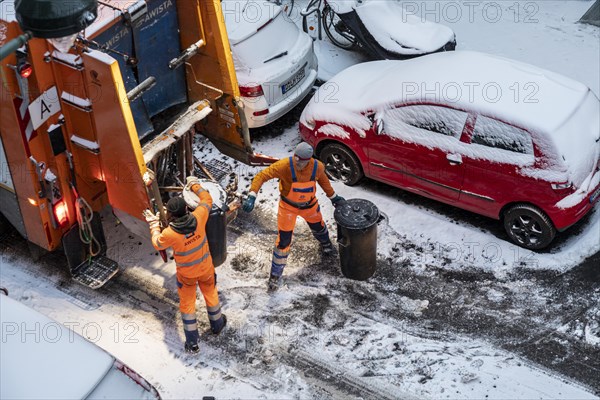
(297,176)
(186,234)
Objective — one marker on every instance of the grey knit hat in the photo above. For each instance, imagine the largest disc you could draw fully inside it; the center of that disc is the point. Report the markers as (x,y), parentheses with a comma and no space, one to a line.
(304,151)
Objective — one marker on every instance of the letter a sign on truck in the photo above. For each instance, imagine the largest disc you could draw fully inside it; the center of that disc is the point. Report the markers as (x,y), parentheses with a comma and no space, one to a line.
(44,107)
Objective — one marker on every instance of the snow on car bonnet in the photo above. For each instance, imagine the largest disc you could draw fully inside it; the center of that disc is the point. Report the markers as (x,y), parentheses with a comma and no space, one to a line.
(401,32)
(513,92)
(41,359)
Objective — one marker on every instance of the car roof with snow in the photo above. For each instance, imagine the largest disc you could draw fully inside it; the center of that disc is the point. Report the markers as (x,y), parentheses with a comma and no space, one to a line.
(244,18)
(509,90)
(42,359)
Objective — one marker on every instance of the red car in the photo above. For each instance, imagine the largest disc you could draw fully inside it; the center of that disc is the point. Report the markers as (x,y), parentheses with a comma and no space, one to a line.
(490,135)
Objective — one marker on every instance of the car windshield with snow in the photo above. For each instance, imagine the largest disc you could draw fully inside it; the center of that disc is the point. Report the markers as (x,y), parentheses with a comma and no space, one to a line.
(42,359)
(275,64)
(490,135)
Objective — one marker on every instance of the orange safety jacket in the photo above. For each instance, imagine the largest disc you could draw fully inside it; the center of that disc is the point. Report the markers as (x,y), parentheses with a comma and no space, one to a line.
(190,251)
(302,194)
(281,170)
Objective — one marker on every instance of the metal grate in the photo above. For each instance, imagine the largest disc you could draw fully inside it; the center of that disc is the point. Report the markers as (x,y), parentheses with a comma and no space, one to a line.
(95,272)
(218,169)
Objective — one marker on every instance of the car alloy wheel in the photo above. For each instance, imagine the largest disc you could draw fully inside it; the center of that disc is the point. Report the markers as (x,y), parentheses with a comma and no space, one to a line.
(529,227)
(341,164)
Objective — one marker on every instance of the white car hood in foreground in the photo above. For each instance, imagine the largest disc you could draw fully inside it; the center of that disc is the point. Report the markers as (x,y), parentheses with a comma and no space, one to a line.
(44,360)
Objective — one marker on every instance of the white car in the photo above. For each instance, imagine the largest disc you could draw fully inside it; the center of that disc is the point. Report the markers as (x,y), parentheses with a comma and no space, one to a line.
(42,359)
(274,61)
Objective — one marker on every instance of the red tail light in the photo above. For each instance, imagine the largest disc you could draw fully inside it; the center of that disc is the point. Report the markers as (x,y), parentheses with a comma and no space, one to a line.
(60,213)
(251,91)
(261,112)
(25,70)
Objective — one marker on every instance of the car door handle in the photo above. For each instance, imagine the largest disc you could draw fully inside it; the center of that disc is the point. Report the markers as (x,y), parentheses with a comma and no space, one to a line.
(454,159)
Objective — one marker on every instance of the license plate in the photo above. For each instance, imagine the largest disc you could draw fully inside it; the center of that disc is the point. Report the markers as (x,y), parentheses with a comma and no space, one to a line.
(595,195)
(297,78)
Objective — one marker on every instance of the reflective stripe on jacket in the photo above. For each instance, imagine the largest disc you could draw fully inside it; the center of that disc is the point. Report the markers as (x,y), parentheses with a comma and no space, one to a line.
(281,170)
(191,251)
(302,194)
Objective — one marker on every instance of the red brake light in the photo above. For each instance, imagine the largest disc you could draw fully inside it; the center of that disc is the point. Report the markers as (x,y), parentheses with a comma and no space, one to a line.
(251,91)
(25,70)
(60,213)
(261,112)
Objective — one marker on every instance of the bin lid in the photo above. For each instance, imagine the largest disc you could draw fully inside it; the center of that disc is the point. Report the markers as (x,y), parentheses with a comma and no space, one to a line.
(218,194)
(356,214)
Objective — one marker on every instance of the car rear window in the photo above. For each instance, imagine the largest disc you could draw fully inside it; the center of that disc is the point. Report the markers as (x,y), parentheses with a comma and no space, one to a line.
(496,134)
(274,39)
(405,120)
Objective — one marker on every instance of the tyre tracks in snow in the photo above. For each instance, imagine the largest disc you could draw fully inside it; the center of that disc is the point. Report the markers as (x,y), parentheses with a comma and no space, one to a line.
(222,353)
(317,296)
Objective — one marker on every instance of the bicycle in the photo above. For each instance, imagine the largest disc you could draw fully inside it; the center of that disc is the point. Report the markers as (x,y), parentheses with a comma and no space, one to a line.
(327,18)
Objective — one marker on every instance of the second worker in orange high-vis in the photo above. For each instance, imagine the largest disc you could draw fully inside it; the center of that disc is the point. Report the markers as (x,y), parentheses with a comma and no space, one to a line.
(186,234)
(297,176)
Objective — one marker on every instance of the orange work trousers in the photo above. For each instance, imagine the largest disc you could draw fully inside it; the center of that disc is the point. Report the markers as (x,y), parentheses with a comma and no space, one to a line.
(186,288)
(286,221)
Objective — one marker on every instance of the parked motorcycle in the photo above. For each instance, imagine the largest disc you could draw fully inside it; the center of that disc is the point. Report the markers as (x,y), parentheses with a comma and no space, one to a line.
(384,29)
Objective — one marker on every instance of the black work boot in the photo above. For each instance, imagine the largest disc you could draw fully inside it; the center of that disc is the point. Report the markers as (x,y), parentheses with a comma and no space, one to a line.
(218,329)
(273,284)
(192,348)
(327,249)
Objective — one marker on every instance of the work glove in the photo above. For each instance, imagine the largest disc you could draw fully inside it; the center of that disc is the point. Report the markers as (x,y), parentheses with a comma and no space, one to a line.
(337,200)
(148,177)
(249,203)
(190,197)
(191,181)
(152,219)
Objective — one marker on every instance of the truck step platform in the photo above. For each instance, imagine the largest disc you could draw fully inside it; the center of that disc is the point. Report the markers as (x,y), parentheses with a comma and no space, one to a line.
(95,272)
(218,170)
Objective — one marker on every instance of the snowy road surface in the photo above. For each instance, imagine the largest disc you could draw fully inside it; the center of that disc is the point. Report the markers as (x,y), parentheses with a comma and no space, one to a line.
(453,311)
(410,332)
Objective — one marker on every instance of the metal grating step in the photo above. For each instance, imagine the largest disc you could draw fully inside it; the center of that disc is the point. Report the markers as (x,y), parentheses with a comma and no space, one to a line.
(95,272)
(218,169)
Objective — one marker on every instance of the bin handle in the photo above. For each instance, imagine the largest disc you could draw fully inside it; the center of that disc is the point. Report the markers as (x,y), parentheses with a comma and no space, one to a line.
(343,241)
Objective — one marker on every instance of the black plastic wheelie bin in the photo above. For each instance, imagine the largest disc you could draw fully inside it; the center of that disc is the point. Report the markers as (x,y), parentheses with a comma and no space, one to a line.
(357,238)
(216,234)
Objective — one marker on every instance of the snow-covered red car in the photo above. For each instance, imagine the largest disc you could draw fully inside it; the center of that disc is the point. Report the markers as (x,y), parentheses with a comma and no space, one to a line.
(274,61)
(42,359)
(487,134)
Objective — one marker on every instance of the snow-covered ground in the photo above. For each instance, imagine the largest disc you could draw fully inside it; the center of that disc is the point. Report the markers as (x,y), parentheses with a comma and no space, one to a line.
(454,310)
(256,358)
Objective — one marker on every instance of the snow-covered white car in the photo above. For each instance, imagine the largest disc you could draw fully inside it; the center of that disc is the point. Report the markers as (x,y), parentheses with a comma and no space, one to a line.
(42,359)
(491,135)
(275,62)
